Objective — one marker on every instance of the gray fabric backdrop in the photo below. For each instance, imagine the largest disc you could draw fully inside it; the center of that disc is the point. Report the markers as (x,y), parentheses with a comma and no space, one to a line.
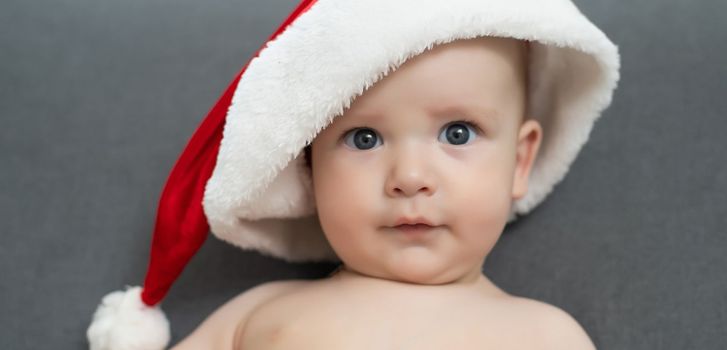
(97,99)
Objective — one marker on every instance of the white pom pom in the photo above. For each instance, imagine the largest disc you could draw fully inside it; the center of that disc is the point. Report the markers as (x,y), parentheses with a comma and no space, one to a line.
(123,322)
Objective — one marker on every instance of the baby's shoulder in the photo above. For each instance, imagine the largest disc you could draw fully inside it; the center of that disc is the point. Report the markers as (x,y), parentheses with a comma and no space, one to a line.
(256,297)
(553,327)
(221,329)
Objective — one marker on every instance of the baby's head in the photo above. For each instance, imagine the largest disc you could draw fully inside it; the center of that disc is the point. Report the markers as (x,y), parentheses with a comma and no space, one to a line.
(445,138)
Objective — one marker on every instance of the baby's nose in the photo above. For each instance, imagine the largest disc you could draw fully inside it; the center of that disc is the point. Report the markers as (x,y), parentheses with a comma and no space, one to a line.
(411,174)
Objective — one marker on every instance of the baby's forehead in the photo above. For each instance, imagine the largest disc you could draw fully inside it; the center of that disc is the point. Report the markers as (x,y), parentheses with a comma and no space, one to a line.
(481,75)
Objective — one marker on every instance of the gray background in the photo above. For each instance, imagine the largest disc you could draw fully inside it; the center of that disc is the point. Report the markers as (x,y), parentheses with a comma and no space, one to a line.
(98,98)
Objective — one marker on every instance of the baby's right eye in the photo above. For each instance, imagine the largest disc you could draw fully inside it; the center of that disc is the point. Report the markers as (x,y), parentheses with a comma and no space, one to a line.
(361,138)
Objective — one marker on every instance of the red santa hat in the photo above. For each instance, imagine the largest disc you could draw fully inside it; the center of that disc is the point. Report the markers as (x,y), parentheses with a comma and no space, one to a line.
(243,175)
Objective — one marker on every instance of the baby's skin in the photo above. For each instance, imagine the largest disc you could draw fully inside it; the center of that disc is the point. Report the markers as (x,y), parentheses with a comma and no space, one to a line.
(413,186)
(352,311)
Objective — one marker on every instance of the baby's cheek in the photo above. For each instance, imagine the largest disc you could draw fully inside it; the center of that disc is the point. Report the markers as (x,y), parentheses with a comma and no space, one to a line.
(343,207)
(482,211)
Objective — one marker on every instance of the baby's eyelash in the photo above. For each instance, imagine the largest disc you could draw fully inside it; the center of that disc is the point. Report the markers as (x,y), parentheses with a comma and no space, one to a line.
(472,123)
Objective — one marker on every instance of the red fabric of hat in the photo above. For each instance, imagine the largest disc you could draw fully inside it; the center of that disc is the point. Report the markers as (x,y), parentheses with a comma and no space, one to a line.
(130,319)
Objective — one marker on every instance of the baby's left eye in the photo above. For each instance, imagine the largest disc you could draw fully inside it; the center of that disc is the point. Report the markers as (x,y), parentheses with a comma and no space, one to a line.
(459,133)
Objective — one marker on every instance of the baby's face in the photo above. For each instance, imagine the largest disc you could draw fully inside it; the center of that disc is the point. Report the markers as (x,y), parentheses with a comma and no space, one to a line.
(442,138)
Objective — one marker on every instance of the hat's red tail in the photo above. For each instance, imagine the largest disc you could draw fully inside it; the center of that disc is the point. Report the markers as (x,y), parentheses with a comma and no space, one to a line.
(181,226)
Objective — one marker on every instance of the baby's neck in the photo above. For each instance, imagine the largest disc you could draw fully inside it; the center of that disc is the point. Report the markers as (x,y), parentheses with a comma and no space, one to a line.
(474,281)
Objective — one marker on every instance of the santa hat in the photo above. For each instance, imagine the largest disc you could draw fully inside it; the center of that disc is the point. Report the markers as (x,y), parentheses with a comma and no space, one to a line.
(243,173)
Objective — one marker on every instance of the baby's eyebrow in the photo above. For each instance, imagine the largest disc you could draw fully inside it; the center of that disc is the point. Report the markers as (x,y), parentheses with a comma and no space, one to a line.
(471,110)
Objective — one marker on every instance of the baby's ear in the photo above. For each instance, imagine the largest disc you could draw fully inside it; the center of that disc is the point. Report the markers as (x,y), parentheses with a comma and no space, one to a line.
(528,143)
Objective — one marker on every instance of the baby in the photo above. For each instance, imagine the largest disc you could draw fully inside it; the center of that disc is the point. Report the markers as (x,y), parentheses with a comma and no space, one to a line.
(399,138)
(413,186)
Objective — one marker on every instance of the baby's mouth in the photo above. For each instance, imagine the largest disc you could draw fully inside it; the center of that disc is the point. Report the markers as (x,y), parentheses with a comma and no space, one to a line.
(416,229)
(410,226)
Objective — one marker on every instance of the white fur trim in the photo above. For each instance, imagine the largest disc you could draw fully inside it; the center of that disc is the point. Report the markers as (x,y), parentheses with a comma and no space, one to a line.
(123,322)
(259,196)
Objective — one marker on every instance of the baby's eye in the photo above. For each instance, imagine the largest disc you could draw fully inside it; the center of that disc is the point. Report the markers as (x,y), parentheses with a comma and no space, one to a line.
(457,133)
(460,132)
(363,138)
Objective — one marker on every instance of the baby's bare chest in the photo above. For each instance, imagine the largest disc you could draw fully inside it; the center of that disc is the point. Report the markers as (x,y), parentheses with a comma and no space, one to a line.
(380,324)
